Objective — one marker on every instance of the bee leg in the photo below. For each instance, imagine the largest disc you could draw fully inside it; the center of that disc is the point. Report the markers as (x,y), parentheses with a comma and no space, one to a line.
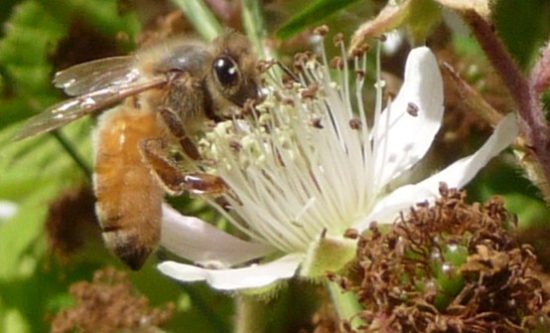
(173,123)
(174,179)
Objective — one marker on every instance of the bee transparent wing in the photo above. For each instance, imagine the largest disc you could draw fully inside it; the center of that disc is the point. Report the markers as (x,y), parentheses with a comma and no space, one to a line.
(66,111)
(96,75)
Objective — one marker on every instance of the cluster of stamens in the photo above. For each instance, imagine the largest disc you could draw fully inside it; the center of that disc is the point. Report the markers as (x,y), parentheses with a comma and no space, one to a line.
(278,146)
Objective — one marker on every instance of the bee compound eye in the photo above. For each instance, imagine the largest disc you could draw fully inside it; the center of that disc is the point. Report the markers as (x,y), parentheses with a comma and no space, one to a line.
(226,71)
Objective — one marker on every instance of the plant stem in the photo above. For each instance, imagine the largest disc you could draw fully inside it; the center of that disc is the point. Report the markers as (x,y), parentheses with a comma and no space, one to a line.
(254,26)
(501,60)
(86,169)
(202,307)
(540,73)
(252,315)
(202,19)
(346,305)
(532,123)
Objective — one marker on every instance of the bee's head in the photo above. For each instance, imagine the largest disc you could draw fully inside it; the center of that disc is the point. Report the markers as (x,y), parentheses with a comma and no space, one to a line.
(234,72)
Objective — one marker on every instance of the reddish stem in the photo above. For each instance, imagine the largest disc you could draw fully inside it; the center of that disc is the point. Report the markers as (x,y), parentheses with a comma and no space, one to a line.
(533,125)
(540,74)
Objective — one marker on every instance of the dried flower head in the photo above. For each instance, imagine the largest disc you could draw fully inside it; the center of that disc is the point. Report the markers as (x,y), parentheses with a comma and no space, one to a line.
(108,304)
(449,267)
(71,221)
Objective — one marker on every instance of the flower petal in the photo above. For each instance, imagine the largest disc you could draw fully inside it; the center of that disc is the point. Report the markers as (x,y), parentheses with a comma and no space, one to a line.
(456,175)
(404,131)
(196,240)
(254,276)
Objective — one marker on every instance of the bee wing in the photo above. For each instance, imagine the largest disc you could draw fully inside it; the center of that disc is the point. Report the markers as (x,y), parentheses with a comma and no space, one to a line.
(64,112)
(95,75)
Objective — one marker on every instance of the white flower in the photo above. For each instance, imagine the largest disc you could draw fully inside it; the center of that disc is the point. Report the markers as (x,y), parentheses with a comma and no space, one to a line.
(309,167)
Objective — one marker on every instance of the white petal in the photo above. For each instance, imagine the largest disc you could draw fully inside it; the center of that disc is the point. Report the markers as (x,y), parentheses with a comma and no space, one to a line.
(460,173)
(254,276)
(193,239)
(401,138)
(456,175)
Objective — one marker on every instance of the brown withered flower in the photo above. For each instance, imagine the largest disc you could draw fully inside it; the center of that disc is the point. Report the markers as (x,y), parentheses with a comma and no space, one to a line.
(449,267)
(71,222)
(109,304)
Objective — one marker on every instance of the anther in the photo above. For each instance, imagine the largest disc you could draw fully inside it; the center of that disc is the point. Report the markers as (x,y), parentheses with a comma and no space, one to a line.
(265,65)
(360,74)
(288,101)
(412,109)
(337,63)
(355,124)
(317,123)
(338,39)
(321,30)
(235,146)
(359,51)
(351,233)
(310,92)
(299,60)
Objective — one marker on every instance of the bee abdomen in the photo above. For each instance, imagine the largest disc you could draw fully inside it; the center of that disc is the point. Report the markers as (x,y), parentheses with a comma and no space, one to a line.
(129,198)
(127,246)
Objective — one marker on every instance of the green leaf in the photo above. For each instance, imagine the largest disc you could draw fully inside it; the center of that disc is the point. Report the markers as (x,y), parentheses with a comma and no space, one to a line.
(13,321)
(5,9)
(314,13)
(523,27)
(31,37)
(520,196)
(23,65)
(33,172)
(33,178)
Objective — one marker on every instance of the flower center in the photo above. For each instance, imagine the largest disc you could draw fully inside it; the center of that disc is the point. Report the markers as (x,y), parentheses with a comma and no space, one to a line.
(299,164)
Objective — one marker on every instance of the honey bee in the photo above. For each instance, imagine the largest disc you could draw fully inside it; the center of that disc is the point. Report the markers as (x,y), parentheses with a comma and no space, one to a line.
(163,96)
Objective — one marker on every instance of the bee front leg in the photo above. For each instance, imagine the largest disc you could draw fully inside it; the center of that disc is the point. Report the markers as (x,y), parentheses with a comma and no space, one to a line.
(173,122)
(175,180)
